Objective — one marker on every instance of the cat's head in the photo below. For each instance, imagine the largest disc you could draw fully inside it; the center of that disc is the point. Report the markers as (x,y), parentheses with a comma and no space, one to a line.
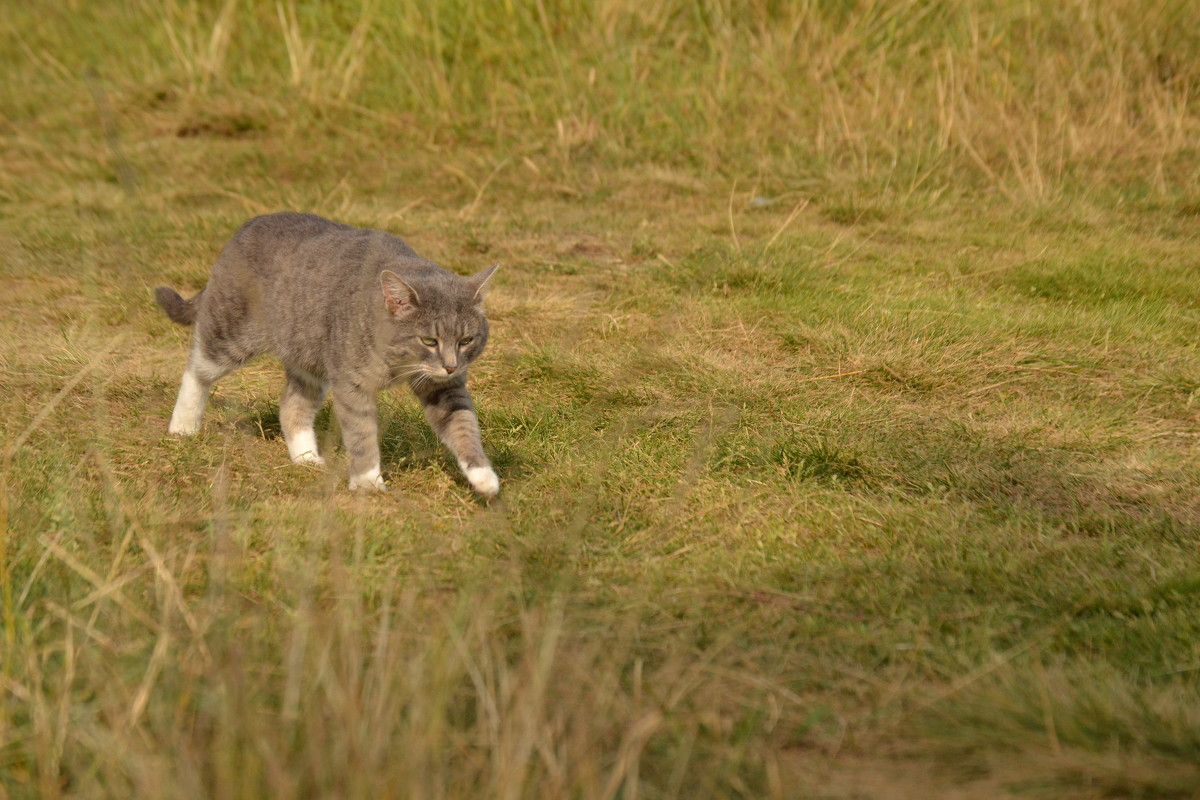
(437,326)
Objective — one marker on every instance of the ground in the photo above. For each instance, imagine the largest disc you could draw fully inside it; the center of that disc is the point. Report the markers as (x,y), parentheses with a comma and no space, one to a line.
(842,386)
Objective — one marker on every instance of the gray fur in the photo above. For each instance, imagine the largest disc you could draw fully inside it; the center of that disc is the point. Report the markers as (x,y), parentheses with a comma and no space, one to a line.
(349,309)
(178,309)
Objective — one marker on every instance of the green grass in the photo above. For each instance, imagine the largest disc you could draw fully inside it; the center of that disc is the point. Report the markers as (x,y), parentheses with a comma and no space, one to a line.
(843,389)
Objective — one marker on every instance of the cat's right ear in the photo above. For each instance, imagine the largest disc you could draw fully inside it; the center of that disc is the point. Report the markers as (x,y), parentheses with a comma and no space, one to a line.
(400,298)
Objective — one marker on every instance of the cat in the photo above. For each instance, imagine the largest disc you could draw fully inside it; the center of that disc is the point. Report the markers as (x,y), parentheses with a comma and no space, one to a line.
(349,309)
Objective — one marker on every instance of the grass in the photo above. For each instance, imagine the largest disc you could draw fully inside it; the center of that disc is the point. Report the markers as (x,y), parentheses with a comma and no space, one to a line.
(843,388)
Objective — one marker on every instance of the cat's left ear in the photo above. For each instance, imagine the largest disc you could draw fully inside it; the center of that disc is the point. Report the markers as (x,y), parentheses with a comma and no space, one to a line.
(480,279)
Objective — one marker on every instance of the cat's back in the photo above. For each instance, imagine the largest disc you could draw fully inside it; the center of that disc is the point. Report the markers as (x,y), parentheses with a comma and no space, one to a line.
(285,232)
(290,244)
(291,225)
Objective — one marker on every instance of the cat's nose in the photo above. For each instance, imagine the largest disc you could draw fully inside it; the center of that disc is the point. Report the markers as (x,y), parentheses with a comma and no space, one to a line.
(450,369)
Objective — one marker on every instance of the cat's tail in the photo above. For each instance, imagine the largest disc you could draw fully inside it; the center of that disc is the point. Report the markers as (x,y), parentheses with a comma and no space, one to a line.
(178,309)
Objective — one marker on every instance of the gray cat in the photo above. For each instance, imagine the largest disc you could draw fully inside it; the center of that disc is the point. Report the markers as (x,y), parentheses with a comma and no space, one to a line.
(345,308)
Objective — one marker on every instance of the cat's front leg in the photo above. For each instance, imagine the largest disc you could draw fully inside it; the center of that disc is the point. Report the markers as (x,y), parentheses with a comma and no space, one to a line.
(358,413)
(302,398)
(451,414)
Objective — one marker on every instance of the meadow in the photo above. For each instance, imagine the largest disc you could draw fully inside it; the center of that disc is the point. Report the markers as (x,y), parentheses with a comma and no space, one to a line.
(843,387)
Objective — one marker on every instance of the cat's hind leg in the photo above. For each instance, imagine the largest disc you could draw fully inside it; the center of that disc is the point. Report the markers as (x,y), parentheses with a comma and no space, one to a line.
(201,373)
(303,396)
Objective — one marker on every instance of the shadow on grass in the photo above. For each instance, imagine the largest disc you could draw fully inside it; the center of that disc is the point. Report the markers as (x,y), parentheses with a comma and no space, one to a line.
(819,457)
(1011,478)
(261,420)
(1014,478)
(406,442)
(1077,727)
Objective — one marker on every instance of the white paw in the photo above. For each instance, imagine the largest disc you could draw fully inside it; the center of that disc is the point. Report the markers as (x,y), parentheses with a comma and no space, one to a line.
(189,406)
(484,481)
(181,428)
(302,447)
(369,480)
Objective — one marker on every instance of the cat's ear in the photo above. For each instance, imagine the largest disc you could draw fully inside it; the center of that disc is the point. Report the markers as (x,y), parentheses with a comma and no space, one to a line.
(480,279)
(399,297)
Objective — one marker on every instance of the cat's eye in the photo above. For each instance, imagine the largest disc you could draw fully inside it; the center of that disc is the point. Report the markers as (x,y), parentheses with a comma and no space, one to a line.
(466,341)
(425,340)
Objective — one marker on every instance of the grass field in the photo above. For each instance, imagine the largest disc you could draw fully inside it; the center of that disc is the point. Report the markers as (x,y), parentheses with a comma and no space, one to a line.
(843,386)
